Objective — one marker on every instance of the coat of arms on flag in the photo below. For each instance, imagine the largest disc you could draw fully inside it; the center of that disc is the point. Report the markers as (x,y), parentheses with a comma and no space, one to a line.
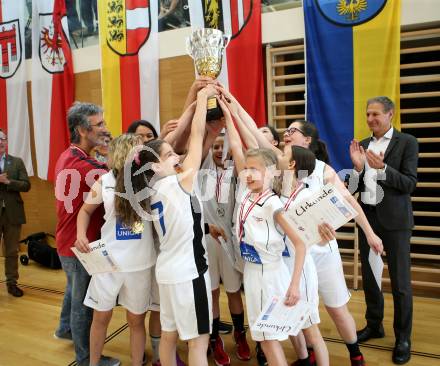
(10,45)
(51,44)
(128,25)
(230,17)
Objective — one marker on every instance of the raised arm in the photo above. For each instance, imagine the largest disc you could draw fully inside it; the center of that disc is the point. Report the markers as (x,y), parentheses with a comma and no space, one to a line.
(248,138)
(374,241)
(178,138)
(193,159)
(250,125)
(234,137)
(197,85)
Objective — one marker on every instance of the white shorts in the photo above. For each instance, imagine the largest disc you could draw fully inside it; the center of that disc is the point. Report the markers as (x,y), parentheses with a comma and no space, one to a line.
(220,266)
(129,289)
(261,281)
(239,262)
(186,307)
(154,292)
(331,281)
(308,286)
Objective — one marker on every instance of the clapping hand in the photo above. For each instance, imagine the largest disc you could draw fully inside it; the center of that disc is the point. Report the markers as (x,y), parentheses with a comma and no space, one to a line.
(357,155)
(374,160)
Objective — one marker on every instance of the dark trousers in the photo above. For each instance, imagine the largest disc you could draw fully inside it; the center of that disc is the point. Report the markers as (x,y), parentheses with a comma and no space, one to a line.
(11,236)
(397,247)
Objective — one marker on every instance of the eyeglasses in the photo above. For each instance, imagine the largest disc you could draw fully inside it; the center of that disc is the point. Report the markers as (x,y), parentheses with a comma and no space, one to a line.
(291,130)
(101,124)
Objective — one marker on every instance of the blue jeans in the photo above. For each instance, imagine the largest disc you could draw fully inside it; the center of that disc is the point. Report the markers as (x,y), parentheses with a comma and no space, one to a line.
(74,314)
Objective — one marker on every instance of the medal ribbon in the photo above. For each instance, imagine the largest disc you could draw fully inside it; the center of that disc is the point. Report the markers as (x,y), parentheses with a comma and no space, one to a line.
(242,219)
(218,187)
(298,188)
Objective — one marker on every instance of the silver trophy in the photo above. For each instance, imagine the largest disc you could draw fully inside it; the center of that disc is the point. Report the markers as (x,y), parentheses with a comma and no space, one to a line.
(206,47)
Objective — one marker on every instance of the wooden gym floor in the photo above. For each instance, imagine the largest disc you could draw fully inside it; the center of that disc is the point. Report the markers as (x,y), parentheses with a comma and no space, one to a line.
(27,325)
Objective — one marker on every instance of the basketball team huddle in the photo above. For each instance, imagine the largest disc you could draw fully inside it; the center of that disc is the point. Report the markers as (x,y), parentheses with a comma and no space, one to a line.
(206,205)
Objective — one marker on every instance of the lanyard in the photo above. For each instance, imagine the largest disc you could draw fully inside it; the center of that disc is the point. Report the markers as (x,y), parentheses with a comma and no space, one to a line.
(298,188)
(218,187)
(242,218)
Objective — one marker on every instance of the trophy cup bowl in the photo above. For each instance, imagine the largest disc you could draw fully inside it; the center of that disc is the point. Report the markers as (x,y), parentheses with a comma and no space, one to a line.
(206,46)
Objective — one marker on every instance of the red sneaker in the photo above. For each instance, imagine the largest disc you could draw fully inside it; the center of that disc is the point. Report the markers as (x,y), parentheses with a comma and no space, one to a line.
(243,352)
(312,357)
(358,361)
(219,355)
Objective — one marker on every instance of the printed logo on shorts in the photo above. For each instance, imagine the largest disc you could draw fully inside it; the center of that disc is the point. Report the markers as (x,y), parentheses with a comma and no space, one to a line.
(124,233)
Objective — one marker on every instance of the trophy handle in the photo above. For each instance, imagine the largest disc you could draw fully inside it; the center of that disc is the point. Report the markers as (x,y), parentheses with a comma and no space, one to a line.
(226,39)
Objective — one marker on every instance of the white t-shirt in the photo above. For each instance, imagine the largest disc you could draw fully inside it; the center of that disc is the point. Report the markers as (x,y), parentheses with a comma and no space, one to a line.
(179,225)
(217,187)
(315,182)
(301,195)
(261,242)
(131,251)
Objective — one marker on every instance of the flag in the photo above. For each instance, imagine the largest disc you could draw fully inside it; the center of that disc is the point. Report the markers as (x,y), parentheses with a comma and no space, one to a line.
(130,62)
(14,119)
(352,54)
(242,69)
(53,85)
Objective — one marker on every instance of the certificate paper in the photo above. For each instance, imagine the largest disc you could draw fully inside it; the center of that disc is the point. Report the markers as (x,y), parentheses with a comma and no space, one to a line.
(278,318)
(326,205)
(228,248)
(376,264)
(99,260)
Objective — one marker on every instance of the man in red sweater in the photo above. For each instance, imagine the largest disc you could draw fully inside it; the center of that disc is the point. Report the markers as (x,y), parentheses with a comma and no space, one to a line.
(75,173)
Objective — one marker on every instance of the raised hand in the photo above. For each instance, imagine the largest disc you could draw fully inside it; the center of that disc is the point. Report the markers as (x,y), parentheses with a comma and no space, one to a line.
(357,155)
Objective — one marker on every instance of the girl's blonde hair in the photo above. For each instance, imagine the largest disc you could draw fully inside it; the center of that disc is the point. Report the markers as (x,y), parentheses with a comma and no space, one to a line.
(119,150)
(269,158)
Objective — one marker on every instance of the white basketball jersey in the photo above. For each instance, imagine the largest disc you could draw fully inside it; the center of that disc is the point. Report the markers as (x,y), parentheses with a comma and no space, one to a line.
(179,223)
(217,187)
(132,251)
(304,193)
(315,182)
(261,242)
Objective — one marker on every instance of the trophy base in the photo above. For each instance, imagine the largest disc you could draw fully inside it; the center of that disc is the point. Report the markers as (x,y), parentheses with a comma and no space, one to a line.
(213,110)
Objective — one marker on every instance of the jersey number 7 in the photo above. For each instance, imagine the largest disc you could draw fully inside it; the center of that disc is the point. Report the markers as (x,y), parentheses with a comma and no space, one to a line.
(159,206)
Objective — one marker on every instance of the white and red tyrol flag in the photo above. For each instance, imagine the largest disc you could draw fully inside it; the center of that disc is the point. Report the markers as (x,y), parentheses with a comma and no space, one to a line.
(52,82)
(14,119)
(242,70)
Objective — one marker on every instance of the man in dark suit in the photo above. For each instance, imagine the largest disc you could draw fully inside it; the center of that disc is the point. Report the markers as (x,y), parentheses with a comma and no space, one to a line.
(13,180)
(389,158)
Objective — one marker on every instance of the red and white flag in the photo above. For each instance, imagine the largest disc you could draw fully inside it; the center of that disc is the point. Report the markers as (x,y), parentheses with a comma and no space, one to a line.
(14,119)
(52,82)
(130,62)
(242,70)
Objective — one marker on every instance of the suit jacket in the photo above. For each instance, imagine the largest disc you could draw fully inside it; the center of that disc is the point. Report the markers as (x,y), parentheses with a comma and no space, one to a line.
(398,181)
(10,193)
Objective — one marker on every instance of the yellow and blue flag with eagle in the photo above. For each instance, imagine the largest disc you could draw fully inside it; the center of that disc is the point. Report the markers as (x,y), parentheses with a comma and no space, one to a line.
(352,54)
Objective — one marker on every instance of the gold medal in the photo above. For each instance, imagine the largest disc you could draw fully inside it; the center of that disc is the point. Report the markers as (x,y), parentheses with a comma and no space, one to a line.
(138,227)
